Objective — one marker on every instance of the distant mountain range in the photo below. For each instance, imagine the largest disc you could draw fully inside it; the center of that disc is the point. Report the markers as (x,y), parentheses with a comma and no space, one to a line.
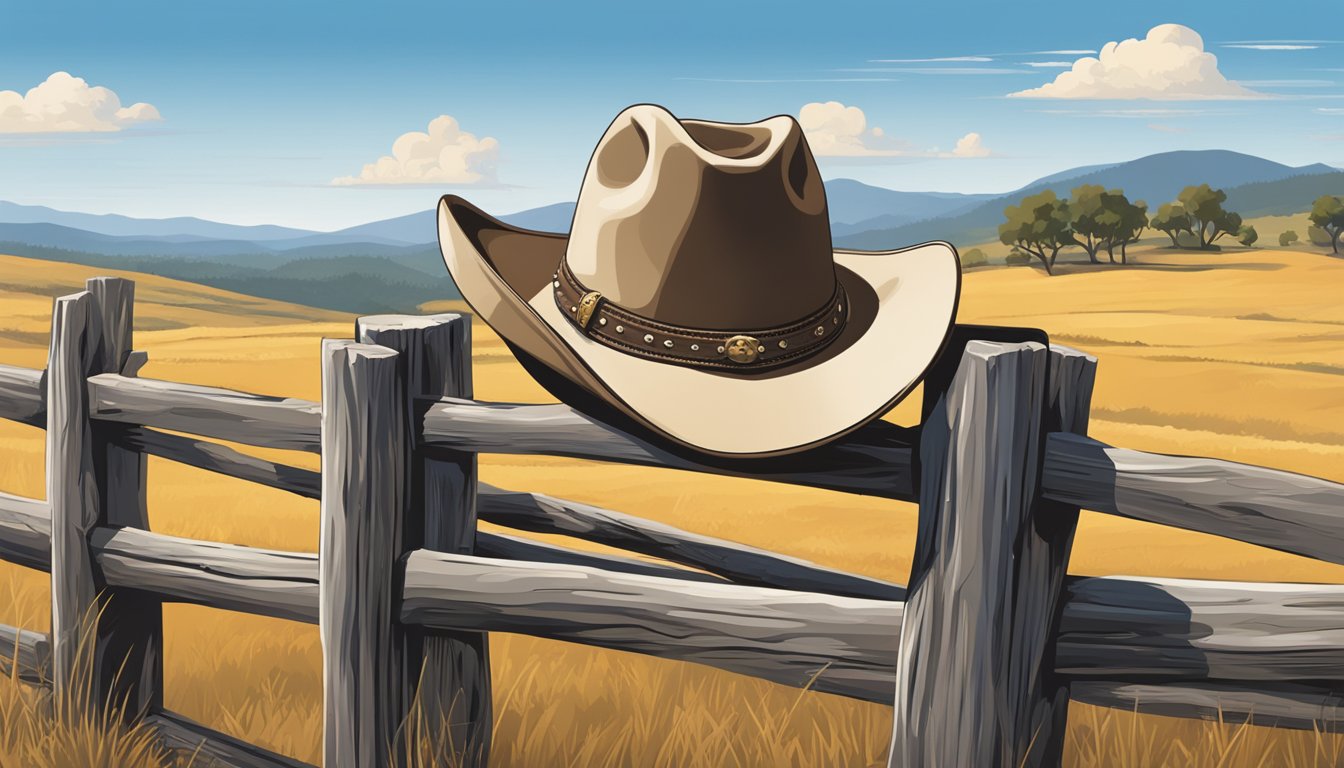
(394,264)
(1272,188)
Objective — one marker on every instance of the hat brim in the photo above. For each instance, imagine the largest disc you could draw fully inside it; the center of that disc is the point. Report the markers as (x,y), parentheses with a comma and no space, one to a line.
(903,301)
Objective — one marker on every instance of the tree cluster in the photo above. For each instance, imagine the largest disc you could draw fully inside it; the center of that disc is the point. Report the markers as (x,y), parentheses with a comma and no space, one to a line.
(1092,218)
(1327,215)
(1198,212)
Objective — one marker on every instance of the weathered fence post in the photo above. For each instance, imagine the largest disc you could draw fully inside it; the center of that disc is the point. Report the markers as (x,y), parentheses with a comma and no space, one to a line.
(453,669)
(92,482)
(364,478)
(973,685)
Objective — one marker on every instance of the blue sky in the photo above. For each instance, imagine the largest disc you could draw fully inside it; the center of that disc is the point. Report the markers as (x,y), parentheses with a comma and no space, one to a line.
(264,104)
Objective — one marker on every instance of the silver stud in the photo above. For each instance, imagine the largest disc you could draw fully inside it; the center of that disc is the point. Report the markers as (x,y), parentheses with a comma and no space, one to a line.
(573,309)
(783,344)
(761,348)
(648,338)
(620,329)
(720,350)
(840,308)
(668,343)
(601,321)
(556,283)
(836,321)
(820,330)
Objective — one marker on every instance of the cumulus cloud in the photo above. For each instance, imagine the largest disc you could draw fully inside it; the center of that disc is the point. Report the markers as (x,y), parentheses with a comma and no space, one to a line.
(66,104)
(444,154)
(970,145)
(835,130)
(1170,63)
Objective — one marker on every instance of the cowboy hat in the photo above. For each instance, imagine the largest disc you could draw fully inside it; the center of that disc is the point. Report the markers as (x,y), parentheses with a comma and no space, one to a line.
(698,293)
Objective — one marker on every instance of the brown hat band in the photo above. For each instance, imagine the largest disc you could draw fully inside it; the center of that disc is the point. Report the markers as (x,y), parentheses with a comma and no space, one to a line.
(634,334)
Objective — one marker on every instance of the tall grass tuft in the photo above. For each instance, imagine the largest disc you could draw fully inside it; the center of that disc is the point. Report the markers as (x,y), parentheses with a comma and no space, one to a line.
(40,729)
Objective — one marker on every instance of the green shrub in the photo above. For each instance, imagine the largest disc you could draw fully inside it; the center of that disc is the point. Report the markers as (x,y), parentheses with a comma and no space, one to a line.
(1287,238)
(973,257)
(1318,236)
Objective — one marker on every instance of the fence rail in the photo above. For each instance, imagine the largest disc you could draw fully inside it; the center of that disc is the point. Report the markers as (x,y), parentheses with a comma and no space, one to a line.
(406,587)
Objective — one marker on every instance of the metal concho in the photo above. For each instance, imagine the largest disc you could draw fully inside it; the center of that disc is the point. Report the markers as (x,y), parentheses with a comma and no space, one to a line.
(742,349)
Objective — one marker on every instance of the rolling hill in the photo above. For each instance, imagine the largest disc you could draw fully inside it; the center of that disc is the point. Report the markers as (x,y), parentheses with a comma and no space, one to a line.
(394,264)
(116,224)
(1155,179)
(1238,359)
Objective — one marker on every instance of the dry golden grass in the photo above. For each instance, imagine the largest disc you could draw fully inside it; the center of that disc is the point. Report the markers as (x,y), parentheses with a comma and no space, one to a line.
(41,730)
(1232,355)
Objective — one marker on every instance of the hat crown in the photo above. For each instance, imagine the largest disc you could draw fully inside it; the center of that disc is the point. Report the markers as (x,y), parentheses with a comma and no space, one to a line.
(702,224)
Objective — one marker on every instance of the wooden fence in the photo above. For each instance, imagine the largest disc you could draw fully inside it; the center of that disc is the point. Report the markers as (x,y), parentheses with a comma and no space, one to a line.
(980,654)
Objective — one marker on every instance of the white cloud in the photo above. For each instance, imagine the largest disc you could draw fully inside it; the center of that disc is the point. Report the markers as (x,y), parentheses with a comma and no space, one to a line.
(970,145)
(66,104)
(1050,64)
(445,154)
(1273,47)
(1169,64)
(941,70)
(835,130)
(925,61)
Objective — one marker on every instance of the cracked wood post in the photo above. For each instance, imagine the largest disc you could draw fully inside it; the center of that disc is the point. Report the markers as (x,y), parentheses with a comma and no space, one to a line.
(454,682)
(974,686)
(366,680)
(92,482)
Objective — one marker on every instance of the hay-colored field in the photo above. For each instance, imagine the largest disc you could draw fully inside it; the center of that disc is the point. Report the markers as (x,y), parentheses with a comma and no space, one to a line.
(1237,356)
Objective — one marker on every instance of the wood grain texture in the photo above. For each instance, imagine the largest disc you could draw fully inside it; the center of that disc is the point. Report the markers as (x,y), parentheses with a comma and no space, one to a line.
(1114,631)
(874,460)
(1302,707)
(1268,507)
(23,396)
(841,644)
(736,562)
(973,638)
(364,479)
(72,484)
(223,414)
(449,671)
(221,459)
(1178,629)
(1043,561)
(128,652)
(25,654)
(547,514)
(1282,510)
(246,579)
(208,748)
(25,532)
(506,547)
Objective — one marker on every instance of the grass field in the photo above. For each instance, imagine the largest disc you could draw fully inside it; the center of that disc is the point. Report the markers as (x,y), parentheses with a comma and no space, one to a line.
(1236,355)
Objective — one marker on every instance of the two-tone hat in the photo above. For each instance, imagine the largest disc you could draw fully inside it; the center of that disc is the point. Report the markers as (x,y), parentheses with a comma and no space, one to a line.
(698,293)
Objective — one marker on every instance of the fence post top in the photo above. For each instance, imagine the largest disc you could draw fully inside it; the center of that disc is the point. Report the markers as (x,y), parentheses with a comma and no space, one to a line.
(350,348)
(409,322)
(987,349)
